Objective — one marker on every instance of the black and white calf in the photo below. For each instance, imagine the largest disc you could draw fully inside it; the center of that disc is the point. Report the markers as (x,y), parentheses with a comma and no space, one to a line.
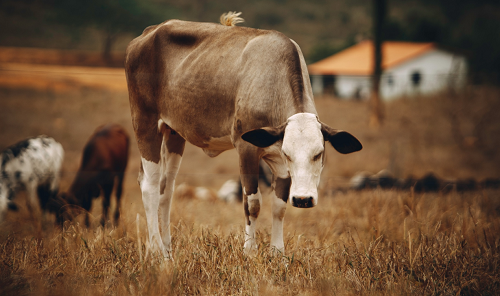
(33,165)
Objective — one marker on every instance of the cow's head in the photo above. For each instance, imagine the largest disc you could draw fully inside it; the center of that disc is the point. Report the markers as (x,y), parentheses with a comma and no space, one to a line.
(63,205)
(302,149)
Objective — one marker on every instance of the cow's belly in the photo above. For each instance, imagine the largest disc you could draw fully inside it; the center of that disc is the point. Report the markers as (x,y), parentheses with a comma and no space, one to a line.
(213,146)
(222,143)
(218,145)
(204,121)
(213,142)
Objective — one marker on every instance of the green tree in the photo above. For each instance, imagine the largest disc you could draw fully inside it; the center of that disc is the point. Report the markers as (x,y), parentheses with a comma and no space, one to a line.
(111,17)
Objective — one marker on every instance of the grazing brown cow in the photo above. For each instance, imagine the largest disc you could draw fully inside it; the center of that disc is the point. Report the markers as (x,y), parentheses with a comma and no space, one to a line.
(103,164)
(221,87)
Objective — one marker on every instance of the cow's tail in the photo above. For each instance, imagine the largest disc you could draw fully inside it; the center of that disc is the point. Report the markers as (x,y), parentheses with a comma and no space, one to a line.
(231,18)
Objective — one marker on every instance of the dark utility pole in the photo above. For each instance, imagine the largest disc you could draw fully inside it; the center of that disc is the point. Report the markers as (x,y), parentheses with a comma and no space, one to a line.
(379,9)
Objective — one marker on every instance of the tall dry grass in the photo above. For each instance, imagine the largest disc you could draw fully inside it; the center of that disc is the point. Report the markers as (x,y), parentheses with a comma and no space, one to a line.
(371,242)
(376,243)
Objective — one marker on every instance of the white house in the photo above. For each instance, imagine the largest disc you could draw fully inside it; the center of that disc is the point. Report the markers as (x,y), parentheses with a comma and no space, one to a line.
(408,69)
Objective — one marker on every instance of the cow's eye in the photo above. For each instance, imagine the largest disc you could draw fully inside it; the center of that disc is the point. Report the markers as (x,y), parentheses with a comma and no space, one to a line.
(287,157)
(317,157)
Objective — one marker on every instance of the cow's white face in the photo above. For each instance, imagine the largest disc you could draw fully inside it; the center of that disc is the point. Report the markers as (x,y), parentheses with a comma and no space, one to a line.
(302,149)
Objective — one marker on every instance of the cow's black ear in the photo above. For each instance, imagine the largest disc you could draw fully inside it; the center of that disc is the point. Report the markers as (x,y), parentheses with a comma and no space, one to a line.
(264,137)
(342,141)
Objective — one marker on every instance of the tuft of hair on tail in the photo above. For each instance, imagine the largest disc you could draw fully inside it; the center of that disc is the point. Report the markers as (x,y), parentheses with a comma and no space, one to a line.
(231,18)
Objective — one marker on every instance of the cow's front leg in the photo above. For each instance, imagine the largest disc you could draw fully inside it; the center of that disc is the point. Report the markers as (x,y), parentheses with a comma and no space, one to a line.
(281,192)
(252,199)
(149,181)
(32,201)
(107,188)
(172,149)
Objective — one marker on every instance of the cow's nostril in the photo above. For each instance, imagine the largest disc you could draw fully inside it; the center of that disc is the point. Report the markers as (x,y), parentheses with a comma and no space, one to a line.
(302,202)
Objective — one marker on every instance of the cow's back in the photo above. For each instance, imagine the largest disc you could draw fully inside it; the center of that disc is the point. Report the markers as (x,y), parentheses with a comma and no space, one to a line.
(198,77)
(106,150)
(36,159)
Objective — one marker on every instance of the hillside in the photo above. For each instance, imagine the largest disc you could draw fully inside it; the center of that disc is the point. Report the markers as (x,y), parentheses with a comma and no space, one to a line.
(320,27)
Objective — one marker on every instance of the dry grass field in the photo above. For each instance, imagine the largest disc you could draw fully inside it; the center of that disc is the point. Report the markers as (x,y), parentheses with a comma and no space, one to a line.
(378,242)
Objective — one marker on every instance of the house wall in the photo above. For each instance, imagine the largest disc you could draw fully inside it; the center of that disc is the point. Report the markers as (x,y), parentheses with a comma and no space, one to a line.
(356,87)
(437,69)
(431,72)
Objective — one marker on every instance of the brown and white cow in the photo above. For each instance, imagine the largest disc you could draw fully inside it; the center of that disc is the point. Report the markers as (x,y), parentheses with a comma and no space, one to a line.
(221,87)
(104,161)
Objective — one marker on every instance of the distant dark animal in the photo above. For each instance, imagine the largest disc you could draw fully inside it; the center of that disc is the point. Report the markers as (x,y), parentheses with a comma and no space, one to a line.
(103,164)
(33,165)
(222,87)
(428,183)
(490,183)
(469,184)
(385,179)
(361,181)
(365,180)
(405,183)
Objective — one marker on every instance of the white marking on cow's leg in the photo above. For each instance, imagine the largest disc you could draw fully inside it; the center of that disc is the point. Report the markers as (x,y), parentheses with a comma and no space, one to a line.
(150,188)
(279,208)
(254,201)
(281,190)
(281,193)
(171,169)
(172,147)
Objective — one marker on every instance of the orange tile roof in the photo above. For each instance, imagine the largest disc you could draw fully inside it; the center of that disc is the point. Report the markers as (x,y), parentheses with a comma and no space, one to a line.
(358,59)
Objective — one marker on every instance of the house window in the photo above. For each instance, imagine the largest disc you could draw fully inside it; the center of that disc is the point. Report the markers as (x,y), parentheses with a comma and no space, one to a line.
(390,80)
(329,85)
(416,78)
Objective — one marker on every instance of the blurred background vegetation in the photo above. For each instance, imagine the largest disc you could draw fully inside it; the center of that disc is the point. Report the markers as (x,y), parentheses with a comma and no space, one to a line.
(321,27)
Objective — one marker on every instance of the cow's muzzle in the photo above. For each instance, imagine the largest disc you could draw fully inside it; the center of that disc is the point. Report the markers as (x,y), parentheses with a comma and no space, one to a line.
(303,201)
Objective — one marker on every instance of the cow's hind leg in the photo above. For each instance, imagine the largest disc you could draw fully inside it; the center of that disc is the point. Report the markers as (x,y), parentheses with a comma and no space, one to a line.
(157,186)
(86,205)
(32,201)
(172,148)
(107,188)
(44,196)
(149,181)
(252,198)
(43,191)
(119,190)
